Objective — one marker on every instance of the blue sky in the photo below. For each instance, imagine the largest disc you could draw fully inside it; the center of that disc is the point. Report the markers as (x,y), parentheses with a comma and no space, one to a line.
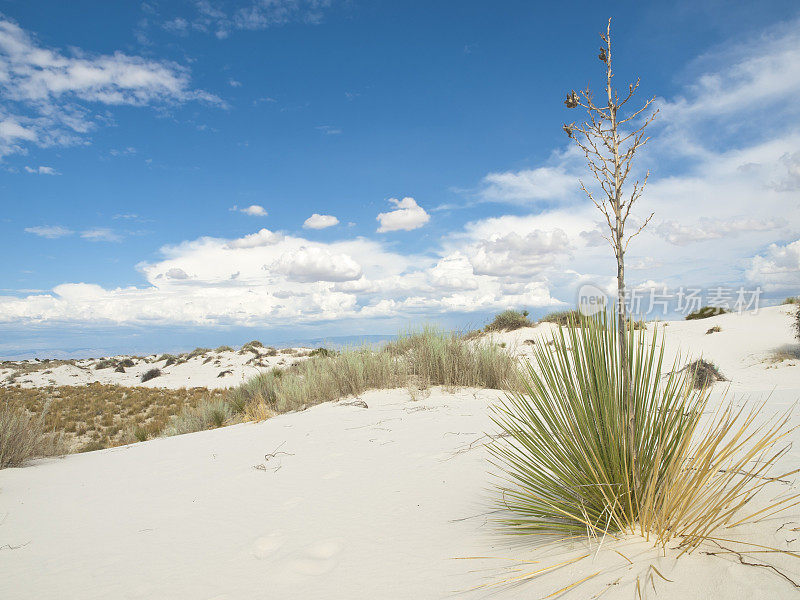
(142,143)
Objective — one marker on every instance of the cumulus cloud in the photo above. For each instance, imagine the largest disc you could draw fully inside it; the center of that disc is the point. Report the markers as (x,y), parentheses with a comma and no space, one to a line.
(47,94)
(254,210)
(309,264)
(778,268)
(408,215)
(317,221)
(49,231)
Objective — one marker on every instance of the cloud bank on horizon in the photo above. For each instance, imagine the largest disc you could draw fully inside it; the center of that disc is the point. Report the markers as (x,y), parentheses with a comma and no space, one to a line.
(725,158)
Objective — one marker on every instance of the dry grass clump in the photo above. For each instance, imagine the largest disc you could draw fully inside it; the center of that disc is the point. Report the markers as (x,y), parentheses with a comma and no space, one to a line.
(714,329)
(101,416)
(198,352)
(706,312)
(565,456)
(24,436)
(791,300)
(416,359)
(509,320)
(219,349)
(703,374)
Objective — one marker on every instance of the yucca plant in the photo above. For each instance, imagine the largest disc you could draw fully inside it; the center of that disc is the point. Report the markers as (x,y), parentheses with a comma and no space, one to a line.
(564,445)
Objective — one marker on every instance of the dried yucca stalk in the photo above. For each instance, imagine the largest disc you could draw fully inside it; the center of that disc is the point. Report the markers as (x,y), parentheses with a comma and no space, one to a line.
(564,453)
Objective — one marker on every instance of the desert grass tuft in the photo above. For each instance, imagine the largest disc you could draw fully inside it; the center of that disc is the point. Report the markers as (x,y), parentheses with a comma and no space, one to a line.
(419,358)
(564,456)
(23,436)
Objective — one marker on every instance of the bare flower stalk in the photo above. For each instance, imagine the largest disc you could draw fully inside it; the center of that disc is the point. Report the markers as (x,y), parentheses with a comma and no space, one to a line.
(609,147)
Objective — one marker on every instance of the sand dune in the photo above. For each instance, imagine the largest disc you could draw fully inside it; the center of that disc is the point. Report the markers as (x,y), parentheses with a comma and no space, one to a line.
(341,501)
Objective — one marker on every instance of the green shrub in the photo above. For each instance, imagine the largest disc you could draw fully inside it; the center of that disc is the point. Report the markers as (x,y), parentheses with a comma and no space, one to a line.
(106,363)
(198,352)
(797,323)
(223,349)
(324,352)
(508,320)
(127,362)
(564,318)
(792,300)
(252,346)
(706,312)
(168,359)
(151,374)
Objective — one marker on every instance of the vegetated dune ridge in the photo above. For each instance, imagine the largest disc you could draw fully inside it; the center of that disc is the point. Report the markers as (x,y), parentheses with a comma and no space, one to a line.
(212,369)
(342,502)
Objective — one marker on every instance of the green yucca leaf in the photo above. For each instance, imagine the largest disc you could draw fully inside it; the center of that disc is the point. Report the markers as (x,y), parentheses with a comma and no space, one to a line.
(565,452)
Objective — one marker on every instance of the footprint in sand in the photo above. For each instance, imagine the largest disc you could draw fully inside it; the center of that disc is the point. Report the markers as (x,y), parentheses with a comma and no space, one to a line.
(267,545)
(319,559)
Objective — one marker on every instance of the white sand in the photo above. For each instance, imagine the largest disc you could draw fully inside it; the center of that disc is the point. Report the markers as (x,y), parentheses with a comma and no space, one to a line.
(366,503)
(210,370)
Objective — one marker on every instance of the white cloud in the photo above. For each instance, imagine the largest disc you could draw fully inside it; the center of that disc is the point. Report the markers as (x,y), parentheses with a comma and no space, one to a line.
(101,234)
(529,185)
(710,229)
(407,216)
(42,170)
(51,92)
(317,221)
(251,16)
(234,83)
(309,264)
(49,231)
(254,210)
(778,268)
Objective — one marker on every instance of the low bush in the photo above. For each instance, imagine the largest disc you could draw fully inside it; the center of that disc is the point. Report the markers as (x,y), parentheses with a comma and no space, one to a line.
(151,374)
(324,352)
(706,312)
(23,436)
(792,300)
(796,323)
(198,352)
(252,346)
(119,369)
(223,349)
(106,363)
(509,320)
(562,317)
(126,362)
